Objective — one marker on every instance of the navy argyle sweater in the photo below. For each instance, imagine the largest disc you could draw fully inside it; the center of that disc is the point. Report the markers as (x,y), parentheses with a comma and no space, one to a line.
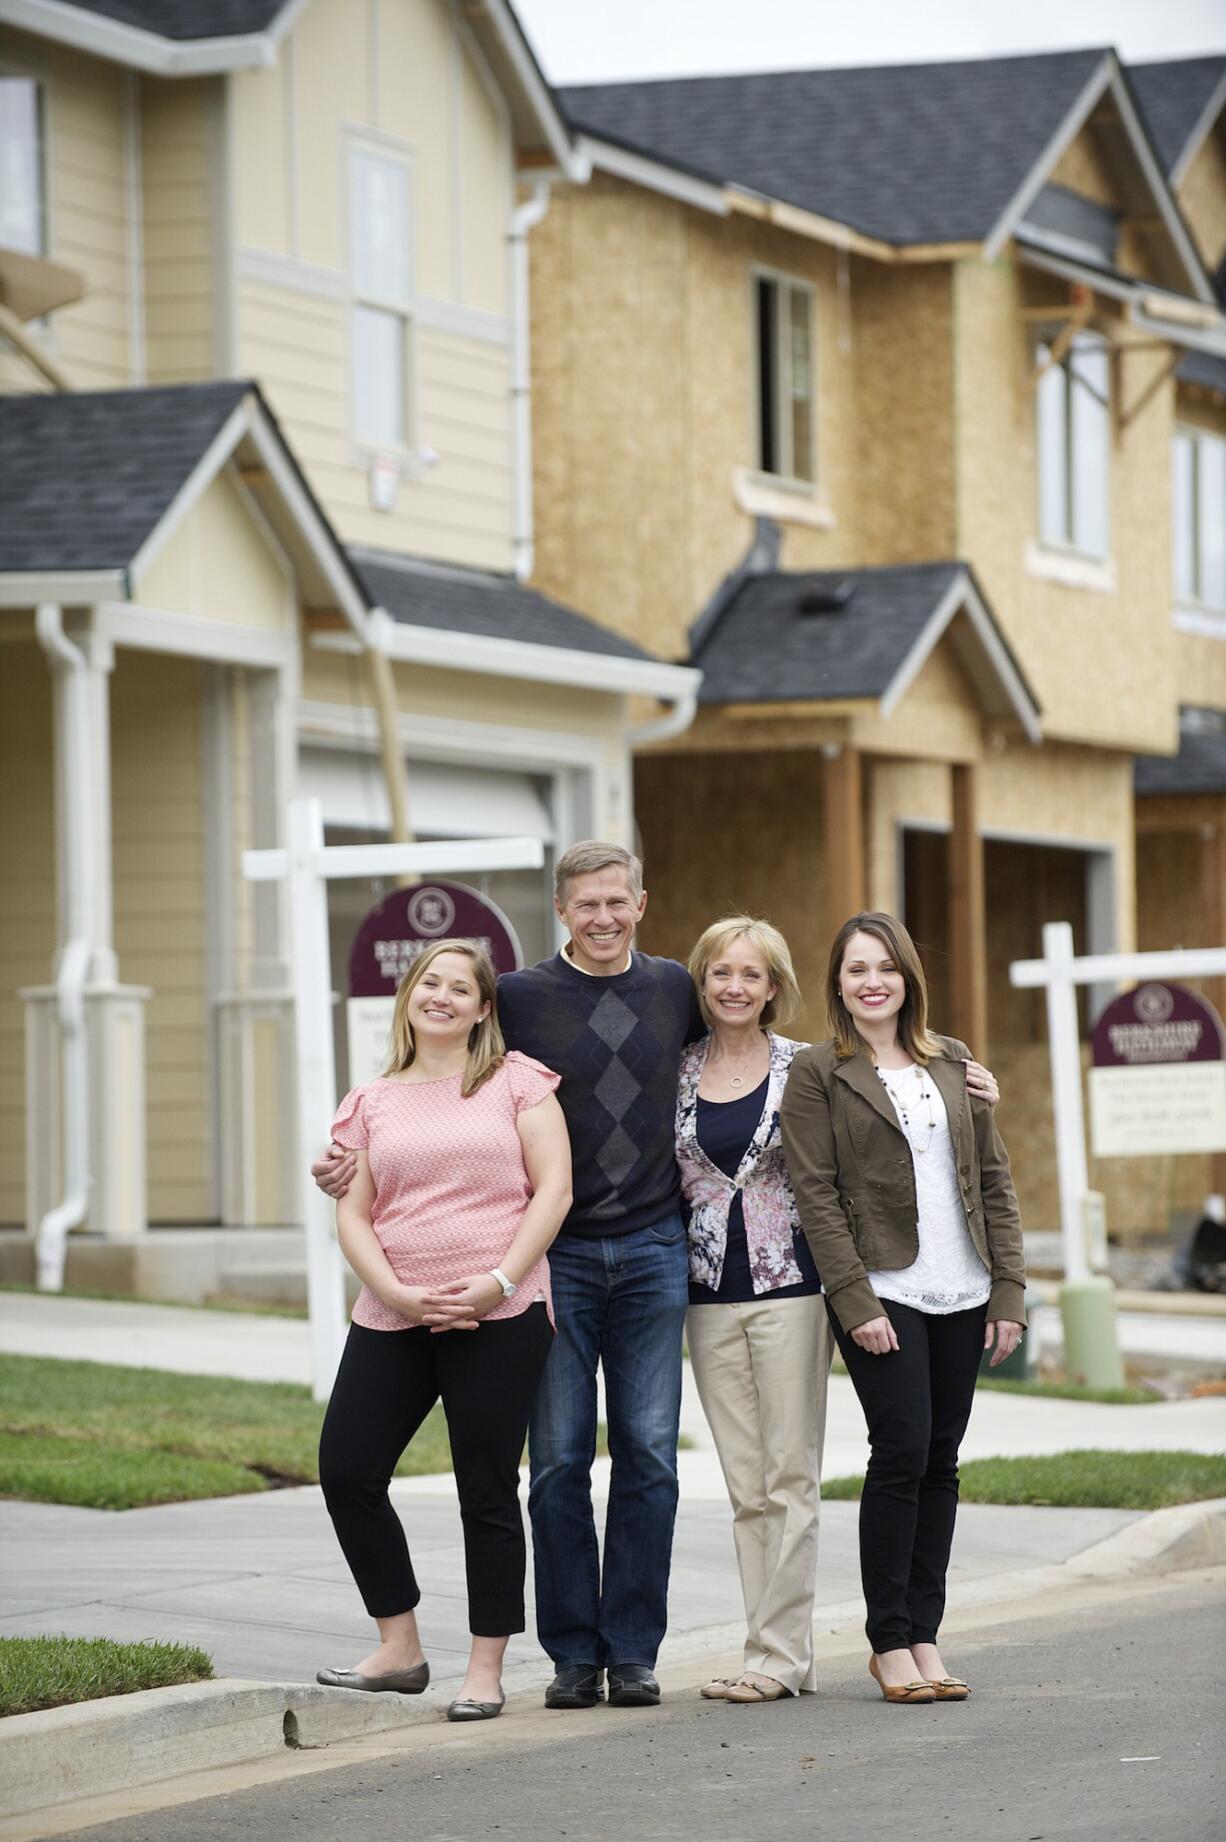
(616,1042)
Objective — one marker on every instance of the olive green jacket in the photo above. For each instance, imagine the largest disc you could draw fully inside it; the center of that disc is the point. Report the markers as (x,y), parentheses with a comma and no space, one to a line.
(851,1170)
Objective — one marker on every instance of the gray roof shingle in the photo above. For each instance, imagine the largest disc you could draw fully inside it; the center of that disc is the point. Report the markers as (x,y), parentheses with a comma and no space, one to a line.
(85,476)
(491,606)
(773,643)
(1199,767)
(187,19)
(1174,96)
(1203,368)
(907,153)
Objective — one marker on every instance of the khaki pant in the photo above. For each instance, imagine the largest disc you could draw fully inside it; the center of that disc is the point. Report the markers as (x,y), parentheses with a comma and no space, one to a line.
(761,1372)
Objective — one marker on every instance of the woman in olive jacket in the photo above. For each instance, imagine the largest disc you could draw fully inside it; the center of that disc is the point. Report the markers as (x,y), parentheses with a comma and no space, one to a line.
(905,1196)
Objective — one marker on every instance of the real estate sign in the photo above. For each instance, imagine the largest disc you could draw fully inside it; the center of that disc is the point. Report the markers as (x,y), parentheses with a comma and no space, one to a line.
(393,935)
(1158,1075)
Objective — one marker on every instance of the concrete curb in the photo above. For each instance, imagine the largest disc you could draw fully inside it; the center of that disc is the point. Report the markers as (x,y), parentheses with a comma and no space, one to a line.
(94,1747)
(97,1747)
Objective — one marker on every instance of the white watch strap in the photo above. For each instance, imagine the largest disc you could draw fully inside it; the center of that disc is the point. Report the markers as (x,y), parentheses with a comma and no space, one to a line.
(509,1288)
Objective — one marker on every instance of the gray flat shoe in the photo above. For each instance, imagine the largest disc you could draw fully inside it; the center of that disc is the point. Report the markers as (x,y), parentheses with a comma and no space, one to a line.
(476,1710)
(395,1682)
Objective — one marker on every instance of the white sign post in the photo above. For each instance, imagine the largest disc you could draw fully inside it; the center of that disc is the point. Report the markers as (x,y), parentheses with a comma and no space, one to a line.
(308,865)
(1058,972)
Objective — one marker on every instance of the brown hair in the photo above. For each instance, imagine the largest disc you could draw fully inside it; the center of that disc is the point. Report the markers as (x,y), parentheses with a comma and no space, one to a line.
(486,1048)
(590,855)
(913,1032)
(769,942)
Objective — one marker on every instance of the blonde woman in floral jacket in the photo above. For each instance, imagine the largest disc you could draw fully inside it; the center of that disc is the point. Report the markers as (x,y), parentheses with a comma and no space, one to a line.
(758,1335)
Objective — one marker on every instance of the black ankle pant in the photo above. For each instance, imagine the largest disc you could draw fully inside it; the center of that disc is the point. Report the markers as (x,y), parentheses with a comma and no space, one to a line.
(387,1383)
(917,1401)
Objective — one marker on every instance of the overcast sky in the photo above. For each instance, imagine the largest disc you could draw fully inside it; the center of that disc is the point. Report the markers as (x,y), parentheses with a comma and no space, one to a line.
(592,41)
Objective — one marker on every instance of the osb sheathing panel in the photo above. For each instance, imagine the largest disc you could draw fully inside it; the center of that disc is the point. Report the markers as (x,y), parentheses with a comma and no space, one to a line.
(1082,168)
(1202,670)
(903,361)
(723,835)
(1102,663)
(1202,198)
(939,717)
(643,406)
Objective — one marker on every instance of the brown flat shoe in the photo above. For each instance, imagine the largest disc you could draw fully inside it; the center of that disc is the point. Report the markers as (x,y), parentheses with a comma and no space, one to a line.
(717,1690)
(907,1694)
(948,1688)
(758,1691)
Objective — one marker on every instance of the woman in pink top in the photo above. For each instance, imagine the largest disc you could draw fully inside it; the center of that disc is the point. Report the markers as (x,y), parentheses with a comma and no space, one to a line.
(462,1181)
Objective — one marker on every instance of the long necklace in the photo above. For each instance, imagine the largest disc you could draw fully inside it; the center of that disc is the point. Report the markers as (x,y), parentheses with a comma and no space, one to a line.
(906,1109)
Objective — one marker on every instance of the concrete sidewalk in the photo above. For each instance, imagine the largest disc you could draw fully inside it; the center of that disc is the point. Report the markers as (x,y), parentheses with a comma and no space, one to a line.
(259,1581)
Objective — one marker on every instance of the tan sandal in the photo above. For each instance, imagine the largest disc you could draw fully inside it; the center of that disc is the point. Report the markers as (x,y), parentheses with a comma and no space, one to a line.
(757,1691)
(907,1694)
(717,1689)
(948,1688)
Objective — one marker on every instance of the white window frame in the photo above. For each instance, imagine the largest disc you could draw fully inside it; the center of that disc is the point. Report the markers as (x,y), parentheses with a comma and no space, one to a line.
(15,73)
(1064,542)
(786,475)
(363,445)
(1196,600)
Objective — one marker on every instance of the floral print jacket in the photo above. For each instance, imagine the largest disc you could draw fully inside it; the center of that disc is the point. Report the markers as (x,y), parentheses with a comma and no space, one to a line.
(771,1220)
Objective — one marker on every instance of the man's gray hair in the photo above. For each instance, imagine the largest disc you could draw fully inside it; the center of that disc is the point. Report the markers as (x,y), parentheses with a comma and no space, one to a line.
(590,855)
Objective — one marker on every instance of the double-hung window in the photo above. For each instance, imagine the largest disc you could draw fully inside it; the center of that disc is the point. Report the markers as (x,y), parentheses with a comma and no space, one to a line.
(1074,447)
(1199,517)
(379,231)
(23,216)
(785,394)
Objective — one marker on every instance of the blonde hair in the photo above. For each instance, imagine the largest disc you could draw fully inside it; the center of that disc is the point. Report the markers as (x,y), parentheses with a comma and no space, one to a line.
(590,855)
(913,1032)
(765,939)
(486,1048)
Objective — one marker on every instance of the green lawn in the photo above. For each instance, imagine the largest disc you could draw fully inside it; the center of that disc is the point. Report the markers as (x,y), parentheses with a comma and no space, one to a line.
(105,1437)
(47,1672)
(1082,1480)
(1068,1391)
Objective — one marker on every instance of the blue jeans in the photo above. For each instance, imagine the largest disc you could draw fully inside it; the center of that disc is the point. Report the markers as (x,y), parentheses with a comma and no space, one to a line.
(620,1302)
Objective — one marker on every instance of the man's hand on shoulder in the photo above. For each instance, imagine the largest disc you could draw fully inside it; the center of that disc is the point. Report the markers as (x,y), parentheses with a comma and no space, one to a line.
(333,1172)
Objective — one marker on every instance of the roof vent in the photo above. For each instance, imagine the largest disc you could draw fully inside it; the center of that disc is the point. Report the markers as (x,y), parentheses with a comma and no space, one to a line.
(831,598)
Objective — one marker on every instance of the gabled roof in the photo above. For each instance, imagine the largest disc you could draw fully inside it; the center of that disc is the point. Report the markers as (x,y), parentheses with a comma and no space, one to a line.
(1200,765)
(920,153)
(93,482)
(86,476)
(856,635)
(1181,99)
(179,38)
(420,594)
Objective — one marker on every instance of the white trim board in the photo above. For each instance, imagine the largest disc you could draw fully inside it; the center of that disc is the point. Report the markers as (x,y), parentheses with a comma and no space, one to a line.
(653,175)
(71,588)
(143,50)
(499,658)
(962,597)
(196,636)
(1192,146)
(451,739)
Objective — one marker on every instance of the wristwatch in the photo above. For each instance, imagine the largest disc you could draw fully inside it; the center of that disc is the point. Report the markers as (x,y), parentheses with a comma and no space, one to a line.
(509,1289)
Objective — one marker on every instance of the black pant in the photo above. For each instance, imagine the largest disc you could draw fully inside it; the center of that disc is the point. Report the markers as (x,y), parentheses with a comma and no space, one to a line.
(387,1383)
(917,1401)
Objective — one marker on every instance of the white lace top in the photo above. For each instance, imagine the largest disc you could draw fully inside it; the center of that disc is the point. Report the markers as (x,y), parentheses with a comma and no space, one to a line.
(949,1274)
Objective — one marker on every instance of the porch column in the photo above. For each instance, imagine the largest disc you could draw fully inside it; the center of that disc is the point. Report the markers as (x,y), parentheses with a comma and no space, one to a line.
(1213,885)
(967,916)
(256,1117)
(842,835)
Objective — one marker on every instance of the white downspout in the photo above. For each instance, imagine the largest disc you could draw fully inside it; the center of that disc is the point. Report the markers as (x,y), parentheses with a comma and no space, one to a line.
(74,964)
(673,721)
(523,219)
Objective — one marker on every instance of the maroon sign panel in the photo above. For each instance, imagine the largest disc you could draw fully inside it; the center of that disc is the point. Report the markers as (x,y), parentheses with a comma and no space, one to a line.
(1157,1024)
(406,922)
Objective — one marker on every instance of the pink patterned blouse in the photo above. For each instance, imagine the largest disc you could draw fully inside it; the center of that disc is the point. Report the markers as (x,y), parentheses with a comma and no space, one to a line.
(450,1184)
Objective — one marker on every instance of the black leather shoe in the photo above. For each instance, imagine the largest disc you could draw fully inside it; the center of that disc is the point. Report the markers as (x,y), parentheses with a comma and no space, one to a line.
(581,1685)
(632,1685)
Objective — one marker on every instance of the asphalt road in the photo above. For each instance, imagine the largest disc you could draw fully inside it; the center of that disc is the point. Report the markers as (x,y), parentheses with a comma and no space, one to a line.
(1099,1723)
